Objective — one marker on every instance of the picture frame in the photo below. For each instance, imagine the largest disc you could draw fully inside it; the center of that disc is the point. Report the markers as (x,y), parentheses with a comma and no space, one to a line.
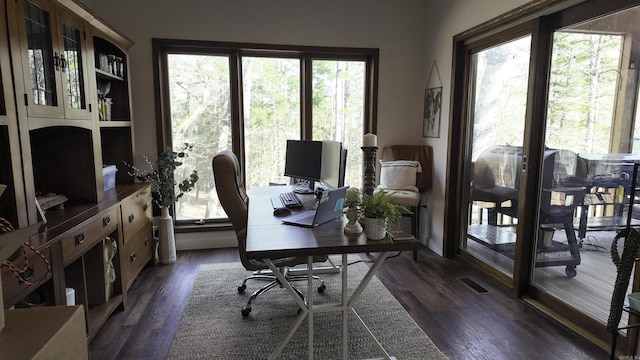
(432,112)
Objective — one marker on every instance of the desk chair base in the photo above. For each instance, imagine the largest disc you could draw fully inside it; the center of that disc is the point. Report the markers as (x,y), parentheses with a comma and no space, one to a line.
(273,282)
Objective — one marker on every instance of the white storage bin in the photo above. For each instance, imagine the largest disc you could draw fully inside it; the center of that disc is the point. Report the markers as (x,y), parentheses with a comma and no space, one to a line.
(109,175)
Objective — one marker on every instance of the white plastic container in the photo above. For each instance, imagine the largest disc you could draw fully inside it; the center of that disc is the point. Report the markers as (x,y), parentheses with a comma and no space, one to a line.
(109,175)
(634,301)
(71,296)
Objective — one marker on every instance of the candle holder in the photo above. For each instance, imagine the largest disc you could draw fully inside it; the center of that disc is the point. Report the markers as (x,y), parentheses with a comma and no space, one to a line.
(369,169)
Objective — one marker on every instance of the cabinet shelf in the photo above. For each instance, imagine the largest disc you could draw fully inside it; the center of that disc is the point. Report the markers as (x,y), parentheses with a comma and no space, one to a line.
(109,75)
(99,314)
(115,123)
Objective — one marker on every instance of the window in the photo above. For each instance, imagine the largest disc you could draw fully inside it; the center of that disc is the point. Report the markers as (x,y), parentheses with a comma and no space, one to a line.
(251,98)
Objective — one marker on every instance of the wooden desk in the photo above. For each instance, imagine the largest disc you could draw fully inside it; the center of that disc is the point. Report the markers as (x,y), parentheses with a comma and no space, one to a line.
(268,238)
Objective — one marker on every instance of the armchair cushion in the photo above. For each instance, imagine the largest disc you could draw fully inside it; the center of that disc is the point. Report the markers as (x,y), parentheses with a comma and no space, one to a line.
(399,174)
(403,197)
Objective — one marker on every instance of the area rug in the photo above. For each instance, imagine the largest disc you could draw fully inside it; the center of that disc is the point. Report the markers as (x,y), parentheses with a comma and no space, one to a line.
(212,326)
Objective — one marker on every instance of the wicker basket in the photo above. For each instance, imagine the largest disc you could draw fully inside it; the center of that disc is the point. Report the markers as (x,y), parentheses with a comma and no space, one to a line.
(375,229)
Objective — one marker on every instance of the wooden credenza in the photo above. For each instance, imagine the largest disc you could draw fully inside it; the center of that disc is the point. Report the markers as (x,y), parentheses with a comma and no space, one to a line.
(75,242)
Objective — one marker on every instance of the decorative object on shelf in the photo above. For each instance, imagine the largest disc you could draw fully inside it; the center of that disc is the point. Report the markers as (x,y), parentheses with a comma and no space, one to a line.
(354,203)
(10,241)
(164,184)
(369,148)
(380,213)
(432,105)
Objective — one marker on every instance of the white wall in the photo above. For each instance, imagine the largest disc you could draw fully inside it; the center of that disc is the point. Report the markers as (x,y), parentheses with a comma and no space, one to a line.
(410,34)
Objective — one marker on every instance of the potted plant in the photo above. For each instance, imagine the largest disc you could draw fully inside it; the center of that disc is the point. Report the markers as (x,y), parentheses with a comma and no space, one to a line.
(163,184)
(379,214)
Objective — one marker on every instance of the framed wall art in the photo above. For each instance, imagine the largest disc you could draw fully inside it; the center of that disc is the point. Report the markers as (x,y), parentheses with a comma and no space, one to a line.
(432,106)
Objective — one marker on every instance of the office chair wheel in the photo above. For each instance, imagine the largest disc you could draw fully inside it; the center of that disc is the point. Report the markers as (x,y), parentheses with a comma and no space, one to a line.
(571,271)
(246,310)
(321,288)
(241,288)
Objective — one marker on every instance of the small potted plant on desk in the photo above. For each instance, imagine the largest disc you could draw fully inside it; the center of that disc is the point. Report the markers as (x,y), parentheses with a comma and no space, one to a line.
(379,214)
(164,184)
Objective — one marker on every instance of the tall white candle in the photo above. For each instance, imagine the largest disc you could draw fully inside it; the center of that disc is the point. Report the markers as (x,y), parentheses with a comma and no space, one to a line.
(370,140)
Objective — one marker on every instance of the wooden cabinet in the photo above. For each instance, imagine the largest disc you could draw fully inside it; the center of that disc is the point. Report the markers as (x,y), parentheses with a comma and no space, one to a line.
(60,66)
(137,236)
(61,91)
(85,250)
(136,213)
(81,238)
(15,287)
(52,55)
(12,199)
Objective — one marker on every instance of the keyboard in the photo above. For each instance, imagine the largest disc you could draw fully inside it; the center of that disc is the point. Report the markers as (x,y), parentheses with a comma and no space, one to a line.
(290,200)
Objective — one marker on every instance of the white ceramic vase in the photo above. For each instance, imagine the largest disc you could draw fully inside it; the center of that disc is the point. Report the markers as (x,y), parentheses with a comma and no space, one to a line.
(375,229)
(167,241)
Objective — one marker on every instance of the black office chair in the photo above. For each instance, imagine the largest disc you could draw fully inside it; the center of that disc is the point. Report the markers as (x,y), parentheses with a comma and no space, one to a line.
(233,198)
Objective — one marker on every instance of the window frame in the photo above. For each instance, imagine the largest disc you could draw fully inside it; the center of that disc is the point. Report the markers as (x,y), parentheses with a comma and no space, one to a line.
(236,51)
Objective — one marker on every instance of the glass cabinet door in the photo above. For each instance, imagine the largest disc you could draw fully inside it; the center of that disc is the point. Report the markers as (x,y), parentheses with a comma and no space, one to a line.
(41,78)
(72,66)
(53,62)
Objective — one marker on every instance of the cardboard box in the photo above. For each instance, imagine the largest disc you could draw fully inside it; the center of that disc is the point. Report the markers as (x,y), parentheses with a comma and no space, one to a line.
(50,332)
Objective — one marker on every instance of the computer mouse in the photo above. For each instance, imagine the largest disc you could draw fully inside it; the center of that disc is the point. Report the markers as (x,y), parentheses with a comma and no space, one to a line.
(281,211)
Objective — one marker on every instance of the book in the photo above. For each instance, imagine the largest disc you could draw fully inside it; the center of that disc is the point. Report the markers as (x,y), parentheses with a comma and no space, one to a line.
(399,233)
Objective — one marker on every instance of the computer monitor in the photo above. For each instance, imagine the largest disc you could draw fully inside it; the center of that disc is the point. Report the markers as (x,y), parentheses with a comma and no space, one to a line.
(304,160)
(313,161)
(330,174)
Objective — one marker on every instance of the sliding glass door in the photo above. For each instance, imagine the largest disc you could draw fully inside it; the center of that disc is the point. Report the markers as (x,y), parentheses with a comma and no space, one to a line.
(548,122)
(587,164)
(498,89)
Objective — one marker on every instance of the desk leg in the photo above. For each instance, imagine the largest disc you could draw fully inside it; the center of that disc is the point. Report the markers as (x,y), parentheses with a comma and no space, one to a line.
(310,304)
(345,310)
(303,313)
(346,306)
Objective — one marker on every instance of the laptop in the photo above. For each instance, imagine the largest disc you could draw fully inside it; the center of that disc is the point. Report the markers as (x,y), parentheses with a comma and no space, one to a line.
(329,207)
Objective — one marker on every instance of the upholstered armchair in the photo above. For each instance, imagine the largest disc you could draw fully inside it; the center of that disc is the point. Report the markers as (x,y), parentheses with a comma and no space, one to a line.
(406,173)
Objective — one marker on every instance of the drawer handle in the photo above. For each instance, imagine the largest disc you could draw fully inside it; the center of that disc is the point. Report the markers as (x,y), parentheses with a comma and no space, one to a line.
(79,239)
(27,273)
(145,207)
(131,217)
(132,257)
(146,242)
(106,221)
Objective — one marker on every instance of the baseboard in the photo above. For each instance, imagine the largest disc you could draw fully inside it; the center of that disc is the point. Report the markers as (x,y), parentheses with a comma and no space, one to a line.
(206,240)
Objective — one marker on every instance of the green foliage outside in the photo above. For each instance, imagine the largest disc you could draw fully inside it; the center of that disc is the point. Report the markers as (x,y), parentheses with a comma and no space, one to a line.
(583,85)
(201,115)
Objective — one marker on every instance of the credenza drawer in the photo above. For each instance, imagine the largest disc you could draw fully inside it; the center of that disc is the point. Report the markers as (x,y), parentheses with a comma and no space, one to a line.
(136,253)
(84,237)
(13,287)
(136,212)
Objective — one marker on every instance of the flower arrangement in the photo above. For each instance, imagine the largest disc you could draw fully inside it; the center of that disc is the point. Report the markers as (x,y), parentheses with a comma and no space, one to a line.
(162,178)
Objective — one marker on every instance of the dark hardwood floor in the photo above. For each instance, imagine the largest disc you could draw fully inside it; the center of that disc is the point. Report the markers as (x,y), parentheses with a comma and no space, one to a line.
(442,295)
